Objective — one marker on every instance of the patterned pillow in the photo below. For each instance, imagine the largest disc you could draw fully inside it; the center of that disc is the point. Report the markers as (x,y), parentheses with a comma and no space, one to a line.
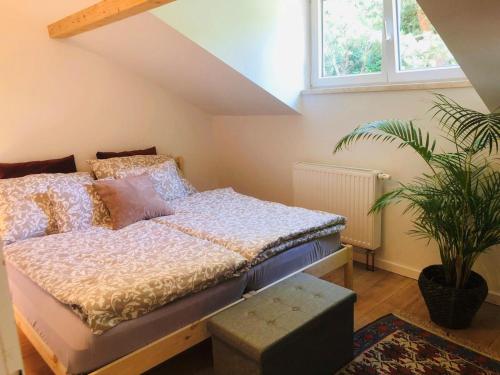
(166,179)
(25,206)
(109,167)
(189,186)
(76,204)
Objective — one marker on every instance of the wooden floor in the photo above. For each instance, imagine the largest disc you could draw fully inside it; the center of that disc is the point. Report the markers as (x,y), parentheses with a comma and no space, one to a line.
(379,293)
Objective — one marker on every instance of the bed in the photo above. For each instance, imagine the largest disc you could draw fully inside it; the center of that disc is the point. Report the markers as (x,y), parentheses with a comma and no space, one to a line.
(256,253)
(83,352)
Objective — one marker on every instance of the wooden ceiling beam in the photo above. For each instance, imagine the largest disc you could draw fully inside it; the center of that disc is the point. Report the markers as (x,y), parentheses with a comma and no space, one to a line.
(100,14)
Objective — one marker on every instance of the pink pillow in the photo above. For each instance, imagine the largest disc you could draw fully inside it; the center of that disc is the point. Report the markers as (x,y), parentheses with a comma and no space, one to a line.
(131,199)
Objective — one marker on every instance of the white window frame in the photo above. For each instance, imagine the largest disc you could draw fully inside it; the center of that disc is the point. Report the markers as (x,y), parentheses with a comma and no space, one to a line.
(390,73)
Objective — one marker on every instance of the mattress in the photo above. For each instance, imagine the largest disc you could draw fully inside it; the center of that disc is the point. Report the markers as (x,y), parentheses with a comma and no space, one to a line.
(81,351)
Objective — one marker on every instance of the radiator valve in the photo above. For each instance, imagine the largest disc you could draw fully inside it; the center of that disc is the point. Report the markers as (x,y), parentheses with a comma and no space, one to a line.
(384,176)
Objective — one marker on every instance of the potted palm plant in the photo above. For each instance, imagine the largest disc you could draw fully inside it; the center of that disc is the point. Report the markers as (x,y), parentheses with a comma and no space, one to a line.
(456,203)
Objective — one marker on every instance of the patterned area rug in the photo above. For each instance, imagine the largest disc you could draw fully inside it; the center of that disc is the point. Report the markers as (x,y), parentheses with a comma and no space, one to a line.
(393,346)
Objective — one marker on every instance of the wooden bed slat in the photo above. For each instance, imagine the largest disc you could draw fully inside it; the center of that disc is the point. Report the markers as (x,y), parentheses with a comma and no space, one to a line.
(160,350)
(179,160)
(41,347)
(328,264)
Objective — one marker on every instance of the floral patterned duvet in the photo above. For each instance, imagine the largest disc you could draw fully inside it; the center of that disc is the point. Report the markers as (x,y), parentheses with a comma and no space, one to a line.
(108,276)
(251,227)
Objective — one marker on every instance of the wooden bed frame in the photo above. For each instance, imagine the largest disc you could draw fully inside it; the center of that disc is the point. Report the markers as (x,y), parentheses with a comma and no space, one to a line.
(176,342)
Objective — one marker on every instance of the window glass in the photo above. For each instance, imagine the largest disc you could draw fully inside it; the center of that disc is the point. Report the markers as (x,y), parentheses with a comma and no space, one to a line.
(352,37)
(420,46)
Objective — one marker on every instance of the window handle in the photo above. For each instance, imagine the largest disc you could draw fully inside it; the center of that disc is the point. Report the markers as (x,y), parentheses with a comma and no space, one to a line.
(388,34)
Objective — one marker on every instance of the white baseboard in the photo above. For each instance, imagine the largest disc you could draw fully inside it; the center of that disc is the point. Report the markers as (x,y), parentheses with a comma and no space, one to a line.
(493,297)
(413,273)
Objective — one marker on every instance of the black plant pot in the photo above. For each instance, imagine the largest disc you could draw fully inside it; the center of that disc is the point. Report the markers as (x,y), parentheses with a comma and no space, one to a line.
(450,307)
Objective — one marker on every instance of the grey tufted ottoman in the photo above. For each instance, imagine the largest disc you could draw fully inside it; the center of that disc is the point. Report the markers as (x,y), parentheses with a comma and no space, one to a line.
(303,325)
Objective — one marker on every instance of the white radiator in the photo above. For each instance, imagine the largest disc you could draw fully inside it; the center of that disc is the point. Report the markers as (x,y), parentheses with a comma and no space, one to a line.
(349,192)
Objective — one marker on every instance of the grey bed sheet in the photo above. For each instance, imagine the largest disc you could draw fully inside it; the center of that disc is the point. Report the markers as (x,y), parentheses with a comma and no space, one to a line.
(291,260)
(81,352)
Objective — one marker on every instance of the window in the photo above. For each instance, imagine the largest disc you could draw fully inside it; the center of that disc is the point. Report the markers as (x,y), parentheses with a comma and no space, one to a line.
(376,41)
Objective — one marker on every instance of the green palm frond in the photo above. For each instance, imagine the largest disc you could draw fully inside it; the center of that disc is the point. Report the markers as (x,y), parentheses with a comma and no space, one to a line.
(470,128)
(389,131)
(394,196)
(457,203)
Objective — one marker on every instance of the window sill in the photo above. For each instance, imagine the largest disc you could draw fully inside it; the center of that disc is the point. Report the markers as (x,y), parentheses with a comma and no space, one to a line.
(388,87)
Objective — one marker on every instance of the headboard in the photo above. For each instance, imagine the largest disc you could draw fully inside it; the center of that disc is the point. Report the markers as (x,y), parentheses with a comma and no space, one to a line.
(180,163)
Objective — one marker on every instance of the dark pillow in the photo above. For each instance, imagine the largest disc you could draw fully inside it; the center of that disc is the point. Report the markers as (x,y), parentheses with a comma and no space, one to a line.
(121,154)
(63,165)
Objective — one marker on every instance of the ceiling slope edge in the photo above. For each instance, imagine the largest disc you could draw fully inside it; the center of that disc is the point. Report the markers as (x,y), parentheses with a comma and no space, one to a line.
(156,51)
(470,29)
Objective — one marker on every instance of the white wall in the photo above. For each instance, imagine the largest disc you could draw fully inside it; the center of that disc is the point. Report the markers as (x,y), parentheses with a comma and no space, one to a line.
(256,156)
(57,99)
(265,40)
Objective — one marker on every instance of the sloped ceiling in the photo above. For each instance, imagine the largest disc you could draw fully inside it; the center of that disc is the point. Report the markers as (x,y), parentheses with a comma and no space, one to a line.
(151,48)
(155,50)
(471,30)
(265,40)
